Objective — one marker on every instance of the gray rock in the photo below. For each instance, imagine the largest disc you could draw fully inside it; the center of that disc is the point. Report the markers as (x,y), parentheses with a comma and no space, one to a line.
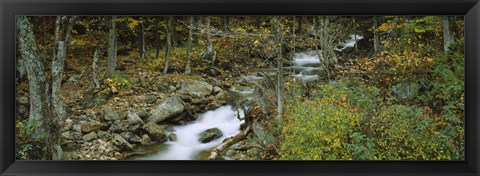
(131,137)
(90,137)
(120,126)
(150,99)
(133,118)
(145,140)
(121,143)
(104,135)
(210,134)
(143,113)
(172,137)
(216,90)
(172,88)
(71,135)
(196,89)
(111,114)
(77,127)
(156,132)
(169,108)
(91,126)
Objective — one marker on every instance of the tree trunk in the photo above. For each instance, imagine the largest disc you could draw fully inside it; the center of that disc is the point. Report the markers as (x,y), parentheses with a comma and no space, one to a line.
(448,32)
(376,37)
(112,60)
(169,44)
(174,33)
(279,68)
(59,107)
(209,37)
(300,24)
(189,46)
(96,56)
(226,21)
(141,46)
(293,44)
(38,85)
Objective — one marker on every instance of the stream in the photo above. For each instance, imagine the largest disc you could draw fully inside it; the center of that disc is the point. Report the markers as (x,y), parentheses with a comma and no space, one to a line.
(187,146)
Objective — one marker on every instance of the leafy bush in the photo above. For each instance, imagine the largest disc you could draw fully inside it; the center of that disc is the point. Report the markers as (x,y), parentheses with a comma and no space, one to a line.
(28,145)
(320,128)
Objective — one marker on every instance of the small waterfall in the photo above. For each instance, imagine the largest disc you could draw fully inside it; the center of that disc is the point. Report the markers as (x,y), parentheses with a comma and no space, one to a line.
(187,146)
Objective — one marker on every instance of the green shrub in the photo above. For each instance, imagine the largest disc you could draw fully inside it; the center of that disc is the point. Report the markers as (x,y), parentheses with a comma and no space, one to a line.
(320,129)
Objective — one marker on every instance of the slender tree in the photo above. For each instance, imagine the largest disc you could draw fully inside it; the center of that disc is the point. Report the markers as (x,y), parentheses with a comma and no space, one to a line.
(141,45)
(169,44)
(63,37)
(448,32)
(376,37)
(112,60)
(188,70)
(38,85)
(279,39)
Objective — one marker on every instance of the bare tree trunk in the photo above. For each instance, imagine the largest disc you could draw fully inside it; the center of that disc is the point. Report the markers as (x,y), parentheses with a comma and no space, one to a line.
(112,60)
(209,40)
(188,70)
(300,24)
(226,21)
(279,69)
(448,32)
(38,85)
(142,42)
(59,107)
(96,56)
(174,33)
(376,37)
(169,44)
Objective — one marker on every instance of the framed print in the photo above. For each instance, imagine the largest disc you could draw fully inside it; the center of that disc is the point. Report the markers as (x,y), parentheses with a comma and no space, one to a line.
(235,88)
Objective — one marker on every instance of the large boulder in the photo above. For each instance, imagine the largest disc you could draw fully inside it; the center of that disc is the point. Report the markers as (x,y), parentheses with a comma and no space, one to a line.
(121,143)
(71,135)
(169,108)
(111,114)
(196,89)
(210,134)
(156,132)
(90,126)
(90,137)
(133,118)
(122,126)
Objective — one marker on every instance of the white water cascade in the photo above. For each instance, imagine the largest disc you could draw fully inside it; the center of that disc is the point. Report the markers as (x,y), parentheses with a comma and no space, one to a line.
(187,146)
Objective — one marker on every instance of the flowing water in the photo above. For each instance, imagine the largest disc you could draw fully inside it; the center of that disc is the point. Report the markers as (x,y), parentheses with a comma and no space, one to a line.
(187,146)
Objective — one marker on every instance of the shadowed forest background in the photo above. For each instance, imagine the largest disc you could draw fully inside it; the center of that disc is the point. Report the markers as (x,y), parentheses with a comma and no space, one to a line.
(240,88)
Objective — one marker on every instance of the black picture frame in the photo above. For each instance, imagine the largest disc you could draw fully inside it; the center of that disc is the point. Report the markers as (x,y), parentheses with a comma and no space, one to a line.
(10,8)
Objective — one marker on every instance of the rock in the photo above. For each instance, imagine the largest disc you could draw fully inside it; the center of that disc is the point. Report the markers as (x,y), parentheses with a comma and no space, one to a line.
(143,113)
(210,134)
(167,109)
(91,126)
(104,135)
(67,125)
(133,118)
(130,137)
(90,137)
(172,137)
(196,89)
(92,101)
(145,140)
(121,143)
(216,90)
(71,135)
(150,99)
(120,126)
(156,132)
(77,127)
(172,88)
(111,114)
